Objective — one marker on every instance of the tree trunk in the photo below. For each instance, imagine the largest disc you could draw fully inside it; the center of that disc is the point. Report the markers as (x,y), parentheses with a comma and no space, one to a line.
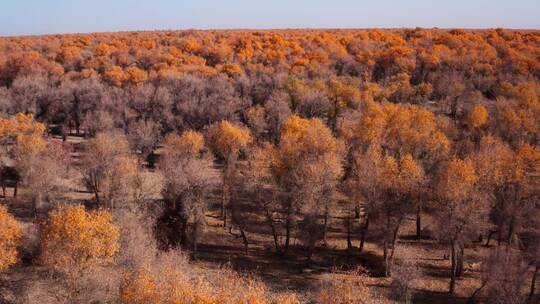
(510,235)
(472,298)
(37,204)
(195,236)
(490,236)
(244,238)
(96,195)
(287,234)
(385,247)
(459,261)
(274,231)
(453,109)
(453,269)
(151,159)
(533,282)
(276,240)
(419,220)
(386,258)
(363,233)
(394,238)
(223,201)
(183,230)
(288,224)
(348,223)
(325,226)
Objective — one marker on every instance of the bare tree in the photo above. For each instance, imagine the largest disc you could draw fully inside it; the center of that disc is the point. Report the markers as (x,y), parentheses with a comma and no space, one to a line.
(103,155)
(143,138)
(188,177)
(44,175)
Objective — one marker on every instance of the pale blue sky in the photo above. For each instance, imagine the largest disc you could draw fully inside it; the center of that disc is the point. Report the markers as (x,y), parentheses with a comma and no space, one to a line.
(68,16)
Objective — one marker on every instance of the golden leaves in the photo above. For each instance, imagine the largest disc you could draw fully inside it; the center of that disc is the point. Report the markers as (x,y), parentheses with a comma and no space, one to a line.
(140,287)
(10,238)
(478,116)
(26,132)
(494,162)
(172,287)
(457,179)
(231,69)
(189,144)
(102,49)
(136,76)
(527,165)
(76,237)
(403,128)
(308,145)
(300,135)
(228,139)
(116,76)
(20,124)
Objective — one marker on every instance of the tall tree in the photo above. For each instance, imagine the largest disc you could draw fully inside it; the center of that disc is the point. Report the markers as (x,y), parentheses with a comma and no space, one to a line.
(307,167)
(189,176)
(227,140)
(461,212)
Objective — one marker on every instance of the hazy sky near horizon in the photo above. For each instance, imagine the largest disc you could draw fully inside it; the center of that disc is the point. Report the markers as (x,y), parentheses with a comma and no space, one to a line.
(30,17)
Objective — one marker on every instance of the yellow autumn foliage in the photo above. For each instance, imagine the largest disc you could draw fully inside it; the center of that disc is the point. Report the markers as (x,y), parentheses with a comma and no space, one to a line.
(116,76)
(190,143)
(303,139)
(457,179)
(478,116)
(26,132)
(172,287)
(398,127)
(136,75)
(76,237)
(140,288)
(10,238)
(228,139)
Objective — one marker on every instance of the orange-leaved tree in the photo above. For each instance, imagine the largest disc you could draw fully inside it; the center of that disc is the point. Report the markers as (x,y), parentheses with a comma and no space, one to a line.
(227,140)
(21,139)
(74,238)
(307,167)
(10,239)
(460,212)
(24,132)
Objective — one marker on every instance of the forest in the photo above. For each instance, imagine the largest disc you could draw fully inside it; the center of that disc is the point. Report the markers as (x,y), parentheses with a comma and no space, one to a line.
(271,166)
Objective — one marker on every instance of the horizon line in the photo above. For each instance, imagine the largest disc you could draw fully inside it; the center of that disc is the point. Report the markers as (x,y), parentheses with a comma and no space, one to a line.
(253,29)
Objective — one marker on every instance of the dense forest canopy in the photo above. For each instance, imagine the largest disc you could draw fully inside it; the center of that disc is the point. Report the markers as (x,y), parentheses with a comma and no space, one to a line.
(161,76)
(304,143)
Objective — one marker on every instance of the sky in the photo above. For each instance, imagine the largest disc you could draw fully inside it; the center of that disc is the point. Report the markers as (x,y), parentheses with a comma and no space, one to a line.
(32,17)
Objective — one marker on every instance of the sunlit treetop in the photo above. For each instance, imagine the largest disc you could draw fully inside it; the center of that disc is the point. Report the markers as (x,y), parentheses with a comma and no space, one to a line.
(189,143)
(76,237)
(25,131)
(457,179)
(477,116)
(398,128)
(227,139)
